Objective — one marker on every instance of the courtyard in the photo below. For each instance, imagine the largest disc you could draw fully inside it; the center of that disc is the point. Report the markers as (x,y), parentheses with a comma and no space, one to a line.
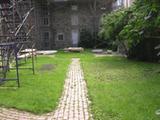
(79,60)
(117,89)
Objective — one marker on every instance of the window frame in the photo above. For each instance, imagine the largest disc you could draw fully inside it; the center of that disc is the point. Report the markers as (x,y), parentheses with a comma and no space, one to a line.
(74,7)
(59,35)
(45,20)
(74,20)
(46,40)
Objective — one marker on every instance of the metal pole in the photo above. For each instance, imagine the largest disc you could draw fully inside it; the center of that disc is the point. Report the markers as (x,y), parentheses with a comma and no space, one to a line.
(2,62)
(17,67)
(33,62)
(14,18)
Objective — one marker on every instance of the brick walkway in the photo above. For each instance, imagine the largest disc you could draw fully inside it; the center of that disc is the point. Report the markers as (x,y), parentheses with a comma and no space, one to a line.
(73,104)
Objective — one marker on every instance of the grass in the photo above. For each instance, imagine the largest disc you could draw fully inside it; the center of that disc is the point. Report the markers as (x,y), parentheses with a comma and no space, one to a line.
(119,89)
(122,89)
(38,93)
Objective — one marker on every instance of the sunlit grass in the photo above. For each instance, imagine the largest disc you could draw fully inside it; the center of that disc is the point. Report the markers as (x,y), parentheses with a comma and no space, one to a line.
(38,93)
(121,89)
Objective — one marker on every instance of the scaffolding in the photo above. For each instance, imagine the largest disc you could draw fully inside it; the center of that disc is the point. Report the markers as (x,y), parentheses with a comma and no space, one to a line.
(17,22)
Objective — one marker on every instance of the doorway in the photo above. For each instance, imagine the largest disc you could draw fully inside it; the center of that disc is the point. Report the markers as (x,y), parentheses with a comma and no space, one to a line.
(75,37)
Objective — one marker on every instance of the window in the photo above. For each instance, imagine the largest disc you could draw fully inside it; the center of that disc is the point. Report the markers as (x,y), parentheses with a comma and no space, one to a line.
(45,21)
(119,2)
(74,20)
(45,38)
(74,7)
(60,36)
(44,10)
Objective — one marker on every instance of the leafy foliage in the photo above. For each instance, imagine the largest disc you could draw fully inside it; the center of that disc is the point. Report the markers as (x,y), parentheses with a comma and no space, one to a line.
(134,25)
(143,22)
(91,40)
(86,39)
(112,24)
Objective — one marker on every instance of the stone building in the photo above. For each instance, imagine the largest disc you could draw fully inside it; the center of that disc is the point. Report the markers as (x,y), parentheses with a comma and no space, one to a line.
(0,26)
(128,3)
(117,4)
(59,22)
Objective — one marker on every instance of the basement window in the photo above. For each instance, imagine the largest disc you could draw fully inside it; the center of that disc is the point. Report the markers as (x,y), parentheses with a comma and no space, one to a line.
(60,37)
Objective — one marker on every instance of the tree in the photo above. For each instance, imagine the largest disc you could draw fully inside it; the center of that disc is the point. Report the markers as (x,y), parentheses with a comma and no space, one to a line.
(138,26)
(97,6)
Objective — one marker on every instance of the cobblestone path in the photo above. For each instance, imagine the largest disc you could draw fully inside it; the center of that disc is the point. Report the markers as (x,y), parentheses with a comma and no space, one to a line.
(73,103)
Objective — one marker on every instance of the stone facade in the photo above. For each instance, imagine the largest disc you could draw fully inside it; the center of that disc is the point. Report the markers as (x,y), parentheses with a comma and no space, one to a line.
(122,3)
(0,26)
(59,23)
(128,3)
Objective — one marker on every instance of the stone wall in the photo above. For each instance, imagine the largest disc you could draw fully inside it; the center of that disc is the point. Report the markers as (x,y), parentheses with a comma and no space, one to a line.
(40,14)
(128,3)
(0,29)
(65,20)
(0,26)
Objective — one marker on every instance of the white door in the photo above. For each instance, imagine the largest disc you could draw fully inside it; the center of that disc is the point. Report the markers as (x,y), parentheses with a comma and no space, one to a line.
(75,36)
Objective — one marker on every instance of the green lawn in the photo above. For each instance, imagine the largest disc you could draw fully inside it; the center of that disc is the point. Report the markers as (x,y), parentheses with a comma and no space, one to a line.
(122,89)
(119,89)
(38,93)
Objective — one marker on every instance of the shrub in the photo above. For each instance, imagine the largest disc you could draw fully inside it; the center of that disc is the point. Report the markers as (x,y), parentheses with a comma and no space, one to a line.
(91,40)
(112,25)
(143,22)
(86,39)
(136,26)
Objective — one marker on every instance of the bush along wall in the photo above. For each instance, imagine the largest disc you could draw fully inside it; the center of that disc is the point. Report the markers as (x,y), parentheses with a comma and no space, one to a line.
(86,39)
(138,26)
(91,40)
(112,24)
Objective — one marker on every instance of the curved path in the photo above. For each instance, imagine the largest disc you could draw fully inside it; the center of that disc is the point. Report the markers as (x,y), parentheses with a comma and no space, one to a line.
(73,103)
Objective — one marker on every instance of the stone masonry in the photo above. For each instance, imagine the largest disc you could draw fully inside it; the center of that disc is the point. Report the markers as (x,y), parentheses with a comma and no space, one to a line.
(65,19)
(74,103)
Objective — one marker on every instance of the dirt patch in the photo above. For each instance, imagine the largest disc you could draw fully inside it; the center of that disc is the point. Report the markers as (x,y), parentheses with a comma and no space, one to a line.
(47,67)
